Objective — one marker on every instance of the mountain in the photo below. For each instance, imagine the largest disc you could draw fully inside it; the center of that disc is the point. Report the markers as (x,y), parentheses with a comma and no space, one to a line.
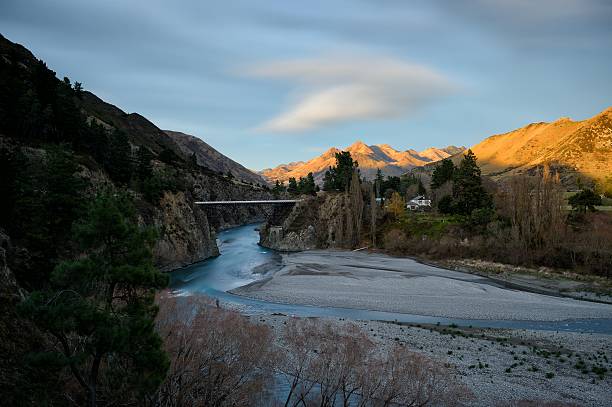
(207,156)
(370,158)
(574,147)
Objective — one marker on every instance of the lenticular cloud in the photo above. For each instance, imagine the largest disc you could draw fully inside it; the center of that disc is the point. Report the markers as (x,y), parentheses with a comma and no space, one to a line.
(338,90)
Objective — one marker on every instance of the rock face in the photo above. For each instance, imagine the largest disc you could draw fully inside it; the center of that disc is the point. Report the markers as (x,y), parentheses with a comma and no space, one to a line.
(186,236)
(330,220)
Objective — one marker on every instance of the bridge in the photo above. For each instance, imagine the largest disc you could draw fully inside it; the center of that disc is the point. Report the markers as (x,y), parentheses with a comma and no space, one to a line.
(274,210)
(263,202)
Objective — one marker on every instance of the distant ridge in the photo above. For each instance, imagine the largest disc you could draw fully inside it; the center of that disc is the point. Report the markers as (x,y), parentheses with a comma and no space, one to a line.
(390,161)
(207,156)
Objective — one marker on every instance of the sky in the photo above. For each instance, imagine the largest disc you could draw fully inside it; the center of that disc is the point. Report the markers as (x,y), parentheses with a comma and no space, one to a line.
(270,82)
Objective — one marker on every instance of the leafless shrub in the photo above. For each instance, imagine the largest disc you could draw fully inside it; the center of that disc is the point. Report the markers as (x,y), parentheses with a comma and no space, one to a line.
(326,365)
(395,241)
(217,356)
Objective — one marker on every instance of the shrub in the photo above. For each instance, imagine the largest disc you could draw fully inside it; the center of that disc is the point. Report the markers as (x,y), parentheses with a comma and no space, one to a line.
(395,241)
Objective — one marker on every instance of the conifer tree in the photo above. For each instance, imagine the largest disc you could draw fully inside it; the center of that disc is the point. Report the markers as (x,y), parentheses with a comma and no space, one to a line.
(100,309)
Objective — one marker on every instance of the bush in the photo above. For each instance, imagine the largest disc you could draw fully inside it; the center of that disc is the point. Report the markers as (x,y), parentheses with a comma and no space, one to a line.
(395,241)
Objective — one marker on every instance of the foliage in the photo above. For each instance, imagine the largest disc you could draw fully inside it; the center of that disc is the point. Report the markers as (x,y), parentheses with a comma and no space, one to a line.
(306,185)
(468,192)
(396,205)
(153,188)
(338,178)
(279,188)
(443,173)
(585,200)
(119,159)
(292,187)
(100,307)
(44,198)
(445,205)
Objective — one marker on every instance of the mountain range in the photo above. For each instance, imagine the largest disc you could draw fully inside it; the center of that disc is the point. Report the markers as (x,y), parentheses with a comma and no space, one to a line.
(390,161)
(573,147)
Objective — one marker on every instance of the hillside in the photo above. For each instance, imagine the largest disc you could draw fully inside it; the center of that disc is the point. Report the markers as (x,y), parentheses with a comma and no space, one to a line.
(371,158)
(208,157)
(42,117)
(581,148)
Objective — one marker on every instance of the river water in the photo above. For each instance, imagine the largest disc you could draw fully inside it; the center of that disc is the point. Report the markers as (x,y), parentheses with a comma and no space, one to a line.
(243,261)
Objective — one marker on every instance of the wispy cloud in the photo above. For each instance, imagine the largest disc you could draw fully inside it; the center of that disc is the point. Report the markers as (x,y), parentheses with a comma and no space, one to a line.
(335,90)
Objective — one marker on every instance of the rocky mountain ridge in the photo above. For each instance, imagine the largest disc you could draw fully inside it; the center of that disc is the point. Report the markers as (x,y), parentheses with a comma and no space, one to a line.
(209,157)
(575,148)
(390,161)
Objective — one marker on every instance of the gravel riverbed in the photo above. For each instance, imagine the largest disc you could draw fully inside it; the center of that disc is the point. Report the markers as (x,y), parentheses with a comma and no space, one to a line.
(500,365)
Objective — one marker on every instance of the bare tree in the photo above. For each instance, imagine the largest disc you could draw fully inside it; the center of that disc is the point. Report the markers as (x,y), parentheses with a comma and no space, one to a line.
(217,356)
(534,206)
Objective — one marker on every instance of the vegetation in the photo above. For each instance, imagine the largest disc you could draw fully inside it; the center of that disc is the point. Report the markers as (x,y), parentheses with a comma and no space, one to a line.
(528,225)
(585,200)
(338,178)
(99,307)
(304,186)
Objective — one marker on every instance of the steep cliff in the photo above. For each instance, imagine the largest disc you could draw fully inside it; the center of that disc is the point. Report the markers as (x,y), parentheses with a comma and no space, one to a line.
(329,220)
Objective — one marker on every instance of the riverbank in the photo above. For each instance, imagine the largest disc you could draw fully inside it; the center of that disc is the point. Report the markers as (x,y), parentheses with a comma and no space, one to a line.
(499,365)
(379,282)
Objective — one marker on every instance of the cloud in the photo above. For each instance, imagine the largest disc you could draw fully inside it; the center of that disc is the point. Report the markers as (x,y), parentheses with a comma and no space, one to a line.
(336,90)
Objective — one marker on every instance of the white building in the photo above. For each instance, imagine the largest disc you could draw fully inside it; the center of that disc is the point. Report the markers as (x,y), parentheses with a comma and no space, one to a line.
(419,202)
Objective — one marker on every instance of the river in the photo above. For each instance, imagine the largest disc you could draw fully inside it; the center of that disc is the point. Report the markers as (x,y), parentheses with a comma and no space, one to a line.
(243,261)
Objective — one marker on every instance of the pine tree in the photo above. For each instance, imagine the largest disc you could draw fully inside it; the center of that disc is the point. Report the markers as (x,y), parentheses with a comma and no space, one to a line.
(468,192)
(119,160)
(101,306)
(442,173)
(292,188)
(329,183)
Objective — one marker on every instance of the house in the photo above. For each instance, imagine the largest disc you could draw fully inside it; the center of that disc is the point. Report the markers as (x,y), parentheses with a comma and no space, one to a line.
(419,203)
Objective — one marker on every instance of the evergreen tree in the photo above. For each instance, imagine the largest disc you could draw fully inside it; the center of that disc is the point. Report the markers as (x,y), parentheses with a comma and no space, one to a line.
(422,190)
(292,188)
(338,178)
(279,188)
(119,160)
(585,200)
(468,192)
(309,187)
(344,170)
(101,306)
(329,183)
(442,173)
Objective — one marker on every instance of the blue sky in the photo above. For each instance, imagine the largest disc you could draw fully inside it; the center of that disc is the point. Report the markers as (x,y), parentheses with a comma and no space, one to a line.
(268,82)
